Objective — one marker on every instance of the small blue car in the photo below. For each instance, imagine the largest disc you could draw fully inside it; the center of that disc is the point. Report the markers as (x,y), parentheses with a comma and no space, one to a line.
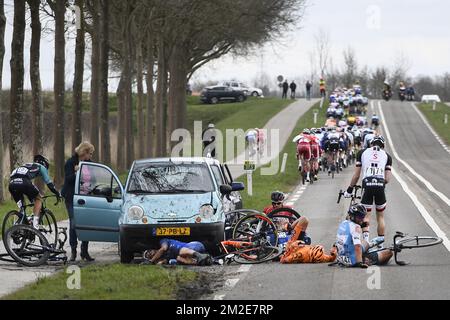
(181,198)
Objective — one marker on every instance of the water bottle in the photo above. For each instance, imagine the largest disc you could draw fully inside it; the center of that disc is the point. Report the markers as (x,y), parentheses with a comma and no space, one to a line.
(173,262)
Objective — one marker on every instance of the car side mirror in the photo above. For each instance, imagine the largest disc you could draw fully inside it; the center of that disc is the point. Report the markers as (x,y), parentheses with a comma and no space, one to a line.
(238,186)
(226,189)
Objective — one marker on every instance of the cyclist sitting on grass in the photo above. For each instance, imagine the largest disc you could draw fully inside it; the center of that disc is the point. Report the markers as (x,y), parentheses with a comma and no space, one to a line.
(353,250)
(299,250)
(21,185)
(192,253)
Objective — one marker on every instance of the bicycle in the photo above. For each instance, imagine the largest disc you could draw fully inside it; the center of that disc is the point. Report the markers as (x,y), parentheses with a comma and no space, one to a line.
(255,240)
(29,247)
(47,220)
(404,242)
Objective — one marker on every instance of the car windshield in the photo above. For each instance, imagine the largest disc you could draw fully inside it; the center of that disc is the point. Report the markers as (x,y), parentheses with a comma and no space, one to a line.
(168,177)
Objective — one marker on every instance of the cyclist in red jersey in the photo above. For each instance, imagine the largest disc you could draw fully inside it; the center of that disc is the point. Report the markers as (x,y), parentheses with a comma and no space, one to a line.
(315,154)
(304,154)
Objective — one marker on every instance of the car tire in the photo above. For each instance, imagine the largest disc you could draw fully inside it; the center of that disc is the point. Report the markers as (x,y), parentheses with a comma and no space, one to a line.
(240,98)
(214,100)
(126,257)
(255,94)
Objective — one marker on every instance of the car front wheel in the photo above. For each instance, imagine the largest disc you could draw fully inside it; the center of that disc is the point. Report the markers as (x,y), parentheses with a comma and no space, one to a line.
(214,100)
(241,98)
(255,94)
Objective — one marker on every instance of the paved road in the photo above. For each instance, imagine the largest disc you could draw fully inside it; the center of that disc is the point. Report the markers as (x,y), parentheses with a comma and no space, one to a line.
(285,122)
(428,276)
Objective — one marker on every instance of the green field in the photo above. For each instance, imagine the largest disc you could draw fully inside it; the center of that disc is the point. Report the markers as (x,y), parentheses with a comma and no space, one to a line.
(436,118)
(111,282)
(263,186)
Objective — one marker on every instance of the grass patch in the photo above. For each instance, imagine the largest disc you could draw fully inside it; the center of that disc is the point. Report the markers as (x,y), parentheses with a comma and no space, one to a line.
(436,118)
(263,186)
(111,282)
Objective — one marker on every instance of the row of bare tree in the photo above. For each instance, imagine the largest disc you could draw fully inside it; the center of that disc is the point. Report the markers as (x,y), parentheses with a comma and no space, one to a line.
(153,46)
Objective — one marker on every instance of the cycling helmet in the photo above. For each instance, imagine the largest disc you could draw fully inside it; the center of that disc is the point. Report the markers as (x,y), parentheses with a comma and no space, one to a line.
(41,160)
(306,131)
(278,196)
(318,131)
(378,141)
(357,211)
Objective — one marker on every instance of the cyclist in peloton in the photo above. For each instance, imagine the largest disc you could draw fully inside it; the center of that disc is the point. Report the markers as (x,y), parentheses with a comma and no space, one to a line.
(375,122)
(375,165)
(353,250)
(304,152)
(331,144)
(21,185)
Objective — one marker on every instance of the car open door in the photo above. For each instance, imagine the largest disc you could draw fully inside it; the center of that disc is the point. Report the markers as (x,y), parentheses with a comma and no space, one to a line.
(97,203)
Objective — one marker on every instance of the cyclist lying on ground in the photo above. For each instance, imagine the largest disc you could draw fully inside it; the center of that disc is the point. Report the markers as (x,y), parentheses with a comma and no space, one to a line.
(193,253)
(297,251)
(353,250)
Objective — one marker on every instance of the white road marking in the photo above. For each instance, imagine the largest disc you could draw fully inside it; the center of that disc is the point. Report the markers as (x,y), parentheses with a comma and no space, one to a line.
(219,297)
(414,172)
(231,283)
(425,214)
(245,268)
(433,132)
(290,204)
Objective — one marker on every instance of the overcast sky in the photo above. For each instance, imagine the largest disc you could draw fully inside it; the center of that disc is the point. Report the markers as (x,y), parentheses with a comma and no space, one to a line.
(378,31)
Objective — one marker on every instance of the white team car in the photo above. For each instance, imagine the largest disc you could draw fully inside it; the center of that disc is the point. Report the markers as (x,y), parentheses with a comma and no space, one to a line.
(250,91)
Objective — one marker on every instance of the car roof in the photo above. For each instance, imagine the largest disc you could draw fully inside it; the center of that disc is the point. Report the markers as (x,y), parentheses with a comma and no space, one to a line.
(209,161)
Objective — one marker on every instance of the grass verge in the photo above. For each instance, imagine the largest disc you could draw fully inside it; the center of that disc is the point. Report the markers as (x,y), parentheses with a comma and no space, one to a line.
(285,182)
(111,282)
(436,118)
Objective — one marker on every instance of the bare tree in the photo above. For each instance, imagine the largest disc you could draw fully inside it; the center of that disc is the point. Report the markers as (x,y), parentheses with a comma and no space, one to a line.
(59,9)
(77,97)
(16,93)
(2,56)
(350,67)
(105,147)
(149,135)
(322,50)
(35,77)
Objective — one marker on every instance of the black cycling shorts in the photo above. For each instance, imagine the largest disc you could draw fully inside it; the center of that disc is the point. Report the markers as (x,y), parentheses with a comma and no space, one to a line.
(373,258)
(357,141)
(374,192)
(18,187)
(333,147)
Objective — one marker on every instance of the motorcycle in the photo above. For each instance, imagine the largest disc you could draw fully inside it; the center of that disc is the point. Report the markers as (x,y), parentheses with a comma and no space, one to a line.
(402,95)
(387,95)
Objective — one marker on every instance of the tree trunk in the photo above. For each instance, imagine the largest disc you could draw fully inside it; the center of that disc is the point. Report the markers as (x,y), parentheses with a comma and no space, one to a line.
(150,143)
(35,78)
(177,89)
(121,124)
(104,96)
(140,100)
(16,94)
(160,101)
(77,103)
(2,56)
(59,88)
(95,75)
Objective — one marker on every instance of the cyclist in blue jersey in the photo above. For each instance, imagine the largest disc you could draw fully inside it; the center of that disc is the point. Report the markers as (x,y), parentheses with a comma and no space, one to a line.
(192,253)
(21,184)
(353,250)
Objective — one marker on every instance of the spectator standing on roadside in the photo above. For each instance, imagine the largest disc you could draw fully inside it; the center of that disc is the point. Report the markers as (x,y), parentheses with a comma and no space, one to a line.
(293,87)
(285,89)
(323,88)
(308,90)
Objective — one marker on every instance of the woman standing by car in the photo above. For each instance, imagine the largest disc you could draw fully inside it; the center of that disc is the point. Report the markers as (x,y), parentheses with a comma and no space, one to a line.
(83,152)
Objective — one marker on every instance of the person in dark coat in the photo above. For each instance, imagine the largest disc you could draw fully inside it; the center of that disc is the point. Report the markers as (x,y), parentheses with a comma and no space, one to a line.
(285,89)
(293,87)
(308,90)
(83,152)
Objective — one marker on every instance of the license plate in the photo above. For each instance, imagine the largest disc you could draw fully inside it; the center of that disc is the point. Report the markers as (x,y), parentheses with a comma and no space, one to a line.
(173,232)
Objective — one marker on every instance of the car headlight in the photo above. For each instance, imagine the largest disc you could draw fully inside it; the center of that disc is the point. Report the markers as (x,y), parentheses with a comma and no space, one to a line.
(206,211)
(135,213)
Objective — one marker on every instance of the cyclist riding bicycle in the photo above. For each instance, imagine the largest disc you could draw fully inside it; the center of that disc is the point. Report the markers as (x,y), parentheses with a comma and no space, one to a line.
(21,185)
(332,145)
(304,154)
(353,250)
(375,165)
(251,138)
(375,122)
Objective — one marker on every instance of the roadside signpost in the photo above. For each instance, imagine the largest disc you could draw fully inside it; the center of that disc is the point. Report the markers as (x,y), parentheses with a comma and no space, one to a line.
(316,114)
(249,168)
(446,119)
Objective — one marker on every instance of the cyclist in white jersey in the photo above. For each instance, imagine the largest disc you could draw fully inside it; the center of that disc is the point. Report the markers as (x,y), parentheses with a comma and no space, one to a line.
(375,165)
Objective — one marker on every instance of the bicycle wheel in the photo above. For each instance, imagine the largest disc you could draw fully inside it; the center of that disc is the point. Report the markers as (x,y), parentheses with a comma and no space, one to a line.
(260,255)
(418,242)
(11,219)
(254,227)
(27,246)
(49,227)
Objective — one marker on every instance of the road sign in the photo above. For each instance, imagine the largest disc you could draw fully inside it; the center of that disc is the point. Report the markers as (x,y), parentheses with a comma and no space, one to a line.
(249,165)
(280,78)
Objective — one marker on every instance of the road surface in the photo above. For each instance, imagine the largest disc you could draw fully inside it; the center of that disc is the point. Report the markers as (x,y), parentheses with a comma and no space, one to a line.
(428,275)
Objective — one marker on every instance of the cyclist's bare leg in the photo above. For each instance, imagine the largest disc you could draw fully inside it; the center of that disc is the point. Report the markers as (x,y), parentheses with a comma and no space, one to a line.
(37,211)
(380,222)
(299,228)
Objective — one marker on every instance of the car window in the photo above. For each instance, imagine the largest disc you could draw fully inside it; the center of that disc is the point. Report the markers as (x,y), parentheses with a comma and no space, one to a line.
(168,177)
(235,84)
(98,182)
(218,175)
(219,88)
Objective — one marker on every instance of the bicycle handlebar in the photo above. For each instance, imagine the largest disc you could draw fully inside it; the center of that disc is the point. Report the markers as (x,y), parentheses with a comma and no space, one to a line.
(354,196)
